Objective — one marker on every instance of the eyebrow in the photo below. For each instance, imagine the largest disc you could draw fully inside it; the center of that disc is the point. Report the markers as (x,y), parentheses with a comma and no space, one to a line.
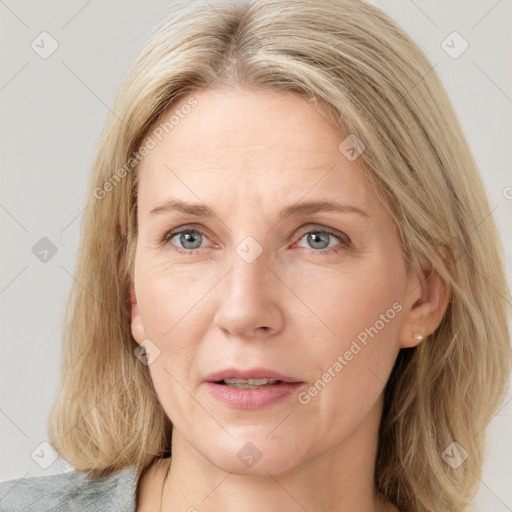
(294,210)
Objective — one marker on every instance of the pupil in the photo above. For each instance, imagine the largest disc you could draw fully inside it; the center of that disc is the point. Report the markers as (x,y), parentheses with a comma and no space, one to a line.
(314,237)
(187,237)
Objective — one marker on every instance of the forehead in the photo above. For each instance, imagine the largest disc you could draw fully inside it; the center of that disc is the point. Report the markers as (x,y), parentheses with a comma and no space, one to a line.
(247,143)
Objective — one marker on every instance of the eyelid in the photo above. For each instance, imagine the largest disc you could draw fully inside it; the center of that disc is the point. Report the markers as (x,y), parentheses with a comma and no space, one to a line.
(188,227)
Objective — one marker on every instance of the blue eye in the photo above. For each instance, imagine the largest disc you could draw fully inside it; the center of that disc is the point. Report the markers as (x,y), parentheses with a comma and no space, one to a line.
(190,240)
(319,239)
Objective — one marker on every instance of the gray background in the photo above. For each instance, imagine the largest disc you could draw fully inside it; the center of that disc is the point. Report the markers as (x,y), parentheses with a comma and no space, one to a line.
(52,113)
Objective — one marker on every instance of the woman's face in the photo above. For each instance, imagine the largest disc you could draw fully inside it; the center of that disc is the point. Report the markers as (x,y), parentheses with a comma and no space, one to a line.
(317,297)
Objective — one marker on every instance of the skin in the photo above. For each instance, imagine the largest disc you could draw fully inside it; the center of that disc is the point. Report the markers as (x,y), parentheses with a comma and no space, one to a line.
(247,154)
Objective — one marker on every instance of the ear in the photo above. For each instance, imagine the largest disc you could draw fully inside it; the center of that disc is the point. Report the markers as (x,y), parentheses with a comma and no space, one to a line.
(136,320)
(429,301)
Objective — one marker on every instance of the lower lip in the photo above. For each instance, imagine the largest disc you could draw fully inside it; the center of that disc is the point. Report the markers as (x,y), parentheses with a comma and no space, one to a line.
(252,398)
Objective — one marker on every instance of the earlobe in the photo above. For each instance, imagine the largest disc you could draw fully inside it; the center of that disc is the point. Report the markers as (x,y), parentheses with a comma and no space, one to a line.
(427,311)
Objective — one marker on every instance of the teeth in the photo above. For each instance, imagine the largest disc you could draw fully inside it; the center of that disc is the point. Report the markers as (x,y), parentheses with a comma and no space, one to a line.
(250,383)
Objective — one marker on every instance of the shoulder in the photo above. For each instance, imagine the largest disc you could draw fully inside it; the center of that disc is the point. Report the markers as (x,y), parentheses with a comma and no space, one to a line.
(71,491)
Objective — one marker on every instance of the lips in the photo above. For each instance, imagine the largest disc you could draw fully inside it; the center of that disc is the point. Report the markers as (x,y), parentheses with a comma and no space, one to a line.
(256,388)
(254,373)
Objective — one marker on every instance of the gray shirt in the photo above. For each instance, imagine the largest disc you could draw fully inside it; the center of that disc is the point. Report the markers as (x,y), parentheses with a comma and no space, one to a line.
(71,491)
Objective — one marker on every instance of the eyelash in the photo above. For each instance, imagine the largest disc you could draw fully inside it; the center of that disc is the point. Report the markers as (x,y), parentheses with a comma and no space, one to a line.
(166,240)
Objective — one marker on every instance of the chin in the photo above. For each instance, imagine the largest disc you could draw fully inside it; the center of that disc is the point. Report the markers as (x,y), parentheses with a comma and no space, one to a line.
(254,454)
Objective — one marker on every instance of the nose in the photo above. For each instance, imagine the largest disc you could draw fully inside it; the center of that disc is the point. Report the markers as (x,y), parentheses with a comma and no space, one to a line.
(250,299)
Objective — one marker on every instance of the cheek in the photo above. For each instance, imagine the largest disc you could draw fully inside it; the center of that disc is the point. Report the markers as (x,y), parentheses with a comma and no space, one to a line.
(353,338)
(342,303)
(173,304)
(170,297)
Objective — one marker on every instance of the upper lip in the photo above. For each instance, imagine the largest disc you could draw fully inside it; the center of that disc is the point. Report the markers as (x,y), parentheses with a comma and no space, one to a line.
(253,373)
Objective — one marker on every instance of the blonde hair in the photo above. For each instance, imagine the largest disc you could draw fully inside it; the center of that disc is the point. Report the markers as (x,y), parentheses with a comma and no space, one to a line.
(376,83)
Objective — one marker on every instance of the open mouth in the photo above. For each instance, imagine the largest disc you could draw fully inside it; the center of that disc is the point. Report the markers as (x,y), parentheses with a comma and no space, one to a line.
(249,383)
(251,389)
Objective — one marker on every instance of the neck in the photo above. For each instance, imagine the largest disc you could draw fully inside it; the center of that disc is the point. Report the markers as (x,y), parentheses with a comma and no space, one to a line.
(341,479)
